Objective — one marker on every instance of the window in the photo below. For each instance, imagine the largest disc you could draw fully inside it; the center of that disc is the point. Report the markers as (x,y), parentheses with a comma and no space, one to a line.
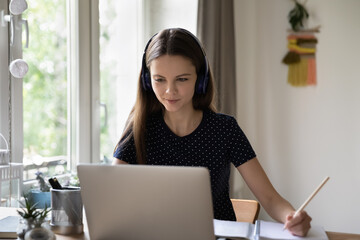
(45,95)
(45,116)
(62,81)
(61,87)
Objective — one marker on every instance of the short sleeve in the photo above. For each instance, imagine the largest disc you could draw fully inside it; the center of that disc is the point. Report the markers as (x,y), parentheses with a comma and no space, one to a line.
(125,151)
(240,148)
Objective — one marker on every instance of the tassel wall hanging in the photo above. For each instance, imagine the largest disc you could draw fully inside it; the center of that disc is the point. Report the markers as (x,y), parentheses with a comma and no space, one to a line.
(302,48)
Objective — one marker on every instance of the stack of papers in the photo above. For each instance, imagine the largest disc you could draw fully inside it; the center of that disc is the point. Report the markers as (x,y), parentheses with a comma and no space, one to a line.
(268,230)
(8,227)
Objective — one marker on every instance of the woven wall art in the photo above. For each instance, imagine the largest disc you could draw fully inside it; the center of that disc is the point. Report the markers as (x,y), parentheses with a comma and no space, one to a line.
(301,56)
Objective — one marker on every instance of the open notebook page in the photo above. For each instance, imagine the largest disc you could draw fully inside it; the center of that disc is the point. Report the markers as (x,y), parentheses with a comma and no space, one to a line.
(273,230)
(268,230)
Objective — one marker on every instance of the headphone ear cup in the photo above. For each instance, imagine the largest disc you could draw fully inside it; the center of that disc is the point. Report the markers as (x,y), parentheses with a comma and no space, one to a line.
(205,82)
(203,79)
(145,75)
(145,79)
(200,84)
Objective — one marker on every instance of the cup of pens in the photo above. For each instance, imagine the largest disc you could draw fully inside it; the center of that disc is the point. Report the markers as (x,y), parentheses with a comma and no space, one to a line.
(66,213)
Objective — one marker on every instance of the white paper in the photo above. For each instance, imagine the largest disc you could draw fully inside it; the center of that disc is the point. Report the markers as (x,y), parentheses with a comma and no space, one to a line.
(273,230)
(268,230)
(232,229)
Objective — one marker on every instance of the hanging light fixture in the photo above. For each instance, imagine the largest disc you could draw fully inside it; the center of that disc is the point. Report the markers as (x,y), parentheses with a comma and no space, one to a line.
(17,7)
(18,67)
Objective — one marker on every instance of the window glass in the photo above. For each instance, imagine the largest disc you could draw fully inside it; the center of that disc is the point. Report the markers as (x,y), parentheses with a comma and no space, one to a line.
(119,59)
(45,89)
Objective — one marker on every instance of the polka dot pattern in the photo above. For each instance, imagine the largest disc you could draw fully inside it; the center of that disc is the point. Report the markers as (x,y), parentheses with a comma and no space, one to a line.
(214,144)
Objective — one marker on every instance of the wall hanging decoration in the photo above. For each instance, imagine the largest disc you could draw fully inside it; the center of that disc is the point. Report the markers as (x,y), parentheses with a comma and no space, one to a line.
(301,48)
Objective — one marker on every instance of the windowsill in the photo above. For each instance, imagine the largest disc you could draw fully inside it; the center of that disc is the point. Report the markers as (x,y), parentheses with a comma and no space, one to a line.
(29,184)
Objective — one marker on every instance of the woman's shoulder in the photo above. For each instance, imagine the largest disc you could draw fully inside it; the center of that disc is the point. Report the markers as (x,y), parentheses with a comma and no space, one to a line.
(219,117)
(223,124)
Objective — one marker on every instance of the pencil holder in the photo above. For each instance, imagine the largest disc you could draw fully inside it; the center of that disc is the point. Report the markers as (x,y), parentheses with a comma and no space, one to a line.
(4,153)
(66,213)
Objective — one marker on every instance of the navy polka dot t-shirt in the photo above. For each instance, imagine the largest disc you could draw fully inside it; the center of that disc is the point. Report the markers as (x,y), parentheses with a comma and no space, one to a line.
(215,143)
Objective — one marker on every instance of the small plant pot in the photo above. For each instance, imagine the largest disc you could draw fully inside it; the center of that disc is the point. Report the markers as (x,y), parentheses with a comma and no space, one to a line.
(41,198)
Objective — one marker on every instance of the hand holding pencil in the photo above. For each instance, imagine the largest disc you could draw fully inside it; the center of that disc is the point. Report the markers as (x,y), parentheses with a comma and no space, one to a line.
(299,222)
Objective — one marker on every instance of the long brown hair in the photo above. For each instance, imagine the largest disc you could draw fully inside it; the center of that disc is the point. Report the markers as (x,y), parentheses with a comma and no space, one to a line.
(174,41)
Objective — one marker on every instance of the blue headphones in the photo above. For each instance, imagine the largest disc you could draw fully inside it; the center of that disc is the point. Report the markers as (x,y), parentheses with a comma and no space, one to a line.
(202,78)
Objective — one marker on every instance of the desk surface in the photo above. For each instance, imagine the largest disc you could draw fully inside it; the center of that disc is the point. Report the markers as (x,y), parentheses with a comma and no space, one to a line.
(12,212)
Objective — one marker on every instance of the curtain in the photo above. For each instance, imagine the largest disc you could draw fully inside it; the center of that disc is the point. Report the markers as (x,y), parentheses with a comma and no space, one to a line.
(215,29)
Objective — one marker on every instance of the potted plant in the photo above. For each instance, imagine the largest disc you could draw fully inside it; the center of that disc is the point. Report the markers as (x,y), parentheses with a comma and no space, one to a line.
(41,195)
(72,180)
(31,217)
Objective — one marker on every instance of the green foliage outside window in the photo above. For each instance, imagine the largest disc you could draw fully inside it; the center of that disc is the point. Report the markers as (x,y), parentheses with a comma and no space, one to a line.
(45,85)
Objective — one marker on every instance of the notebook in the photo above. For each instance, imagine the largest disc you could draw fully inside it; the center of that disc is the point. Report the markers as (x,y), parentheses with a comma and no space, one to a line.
(8,227)
(136,202)
(267,231)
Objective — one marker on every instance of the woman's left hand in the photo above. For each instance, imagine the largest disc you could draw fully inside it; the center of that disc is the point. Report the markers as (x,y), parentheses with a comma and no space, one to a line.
(298,225)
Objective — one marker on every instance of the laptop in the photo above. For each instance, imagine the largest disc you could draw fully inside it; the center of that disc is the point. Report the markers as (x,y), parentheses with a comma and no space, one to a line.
(138,202)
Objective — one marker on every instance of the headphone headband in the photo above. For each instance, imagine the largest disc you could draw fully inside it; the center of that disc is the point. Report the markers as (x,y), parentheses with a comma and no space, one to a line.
(203,75)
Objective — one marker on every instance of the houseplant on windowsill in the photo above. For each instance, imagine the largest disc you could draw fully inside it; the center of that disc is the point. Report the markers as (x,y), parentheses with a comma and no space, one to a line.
(41,195)
(72,180)
(33,221)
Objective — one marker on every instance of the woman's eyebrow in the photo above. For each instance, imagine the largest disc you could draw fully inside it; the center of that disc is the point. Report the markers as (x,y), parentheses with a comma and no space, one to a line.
(180,75)
(183,75)
(158,75)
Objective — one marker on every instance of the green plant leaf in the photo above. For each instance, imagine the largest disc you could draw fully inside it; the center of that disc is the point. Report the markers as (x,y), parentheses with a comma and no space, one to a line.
(297,15)
(29,210)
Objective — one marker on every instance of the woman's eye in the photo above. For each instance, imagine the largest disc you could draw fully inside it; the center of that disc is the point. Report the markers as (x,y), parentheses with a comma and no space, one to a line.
(182,79)
(158,79)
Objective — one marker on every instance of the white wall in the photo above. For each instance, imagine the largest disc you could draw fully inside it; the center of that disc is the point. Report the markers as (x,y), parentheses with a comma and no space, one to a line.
(161,14)
(303,134)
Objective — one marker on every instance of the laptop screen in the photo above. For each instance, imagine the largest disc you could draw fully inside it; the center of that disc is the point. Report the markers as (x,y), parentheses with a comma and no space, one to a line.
(147,202)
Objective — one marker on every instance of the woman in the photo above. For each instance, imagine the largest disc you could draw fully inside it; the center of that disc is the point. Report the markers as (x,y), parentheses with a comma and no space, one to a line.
(174,122)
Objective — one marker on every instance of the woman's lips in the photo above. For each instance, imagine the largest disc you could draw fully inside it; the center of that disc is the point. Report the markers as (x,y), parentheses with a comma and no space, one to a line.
(172,101)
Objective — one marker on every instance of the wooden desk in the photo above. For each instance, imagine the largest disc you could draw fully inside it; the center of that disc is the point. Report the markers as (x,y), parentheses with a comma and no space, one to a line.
(4,211)
(342,236)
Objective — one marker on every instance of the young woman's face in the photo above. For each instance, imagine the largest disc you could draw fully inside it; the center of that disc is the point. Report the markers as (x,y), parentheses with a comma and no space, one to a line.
(173,80)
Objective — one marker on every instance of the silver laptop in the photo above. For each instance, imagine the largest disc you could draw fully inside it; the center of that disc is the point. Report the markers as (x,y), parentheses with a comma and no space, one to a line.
(137,202)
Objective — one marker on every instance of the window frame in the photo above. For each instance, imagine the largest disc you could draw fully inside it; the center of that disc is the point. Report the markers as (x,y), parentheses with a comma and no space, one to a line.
(84,125)
(4,76)
(12,130)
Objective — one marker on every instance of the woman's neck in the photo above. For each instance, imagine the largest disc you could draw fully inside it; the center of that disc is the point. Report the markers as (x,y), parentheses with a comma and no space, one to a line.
(181,123)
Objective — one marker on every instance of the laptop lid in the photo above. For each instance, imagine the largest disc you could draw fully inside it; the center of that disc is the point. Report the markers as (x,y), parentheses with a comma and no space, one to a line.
(137,202)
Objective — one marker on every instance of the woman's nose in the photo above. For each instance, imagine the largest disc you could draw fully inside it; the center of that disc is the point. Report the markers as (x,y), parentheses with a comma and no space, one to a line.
(171,88)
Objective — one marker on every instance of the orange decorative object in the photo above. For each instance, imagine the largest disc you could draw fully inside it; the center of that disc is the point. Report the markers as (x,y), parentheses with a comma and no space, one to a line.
(301,59)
